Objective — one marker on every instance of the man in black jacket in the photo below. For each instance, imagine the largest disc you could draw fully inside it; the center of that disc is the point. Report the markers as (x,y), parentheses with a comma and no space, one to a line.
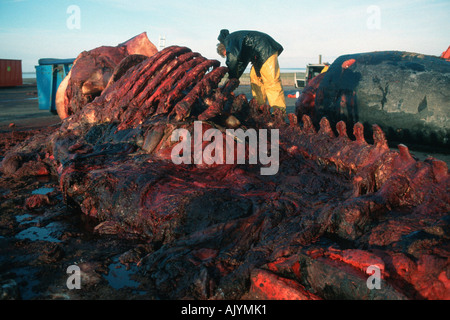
(242,47)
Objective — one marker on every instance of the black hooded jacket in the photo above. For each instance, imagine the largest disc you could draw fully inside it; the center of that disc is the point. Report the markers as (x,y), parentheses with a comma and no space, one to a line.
(247,46)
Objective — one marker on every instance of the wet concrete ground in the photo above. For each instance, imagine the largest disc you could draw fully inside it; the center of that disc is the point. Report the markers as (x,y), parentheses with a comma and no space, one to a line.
(19,106)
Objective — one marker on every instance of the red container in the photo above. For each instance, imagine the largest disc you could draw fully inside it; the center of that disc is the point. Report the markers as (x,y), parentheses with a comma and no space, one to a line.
(10,73)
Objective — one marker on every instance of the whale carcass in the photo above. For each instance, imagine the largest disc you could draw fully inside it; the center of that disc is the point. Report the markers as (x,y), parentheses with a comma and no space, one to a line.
(406,94)
(338,208)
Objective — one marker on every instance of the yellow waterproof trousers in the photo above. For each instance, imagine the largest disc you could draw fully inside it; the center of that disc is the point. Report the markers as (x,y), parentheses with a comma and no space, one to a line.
(268,86)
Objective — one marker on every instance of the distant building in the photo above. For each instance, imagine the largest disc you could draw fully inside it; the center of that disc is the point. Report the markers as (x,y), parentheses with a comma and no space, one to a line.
(10,73)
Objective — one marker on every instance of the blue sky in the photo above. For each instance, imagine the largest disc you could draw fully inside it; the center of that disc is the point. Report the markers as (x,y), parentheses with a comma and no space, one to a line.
(32,29)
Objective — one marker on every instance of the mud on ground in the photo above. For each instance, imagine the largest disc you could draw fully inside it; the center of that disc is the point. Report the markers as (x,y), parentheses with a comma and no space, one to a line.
(40,237)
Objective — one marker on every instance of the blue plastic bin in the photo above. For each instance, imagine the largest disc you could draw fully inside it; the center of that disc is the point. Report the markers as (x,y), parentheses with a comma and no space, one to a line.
(49,74)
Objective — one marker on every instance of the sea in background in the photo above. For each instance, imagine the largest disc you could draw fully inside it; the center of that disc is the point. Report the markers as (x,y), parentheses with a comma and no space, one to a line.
(28,75)
(292,70)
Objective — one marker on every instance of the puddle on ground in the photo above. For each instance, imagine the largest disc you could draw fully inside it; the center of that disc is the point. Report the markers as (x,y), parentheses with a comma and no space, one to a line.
(118,276)
(48,233)
(26,278)
(24,218)
(43,191)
